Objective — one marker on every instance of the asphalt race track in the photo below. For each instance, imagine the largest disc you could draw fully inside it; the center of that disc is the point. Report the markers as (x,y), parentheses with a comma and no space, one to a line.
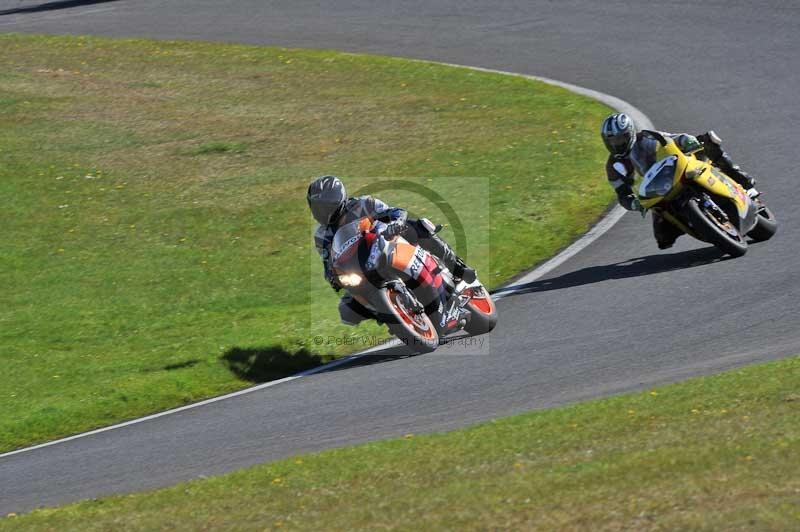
(619,316)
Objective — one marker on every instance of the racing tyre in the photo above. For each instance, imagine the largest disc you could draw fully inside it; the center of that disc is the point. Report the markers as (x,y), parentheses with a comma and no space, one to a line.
(766,226)
(722,233)
(414,329)
(483,312)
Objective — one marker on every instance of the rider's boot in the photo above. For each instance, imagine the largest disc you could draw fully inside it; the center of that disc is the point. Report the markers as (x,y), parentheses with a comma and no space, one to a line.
(719,158)
(666,234)
(433,244)
(454,263)
(737,174)
(463,272)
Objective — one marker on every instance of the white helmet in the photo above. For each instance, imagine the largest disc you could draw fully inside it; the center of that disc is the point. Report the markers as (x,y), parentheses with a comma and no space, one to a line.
(619,133)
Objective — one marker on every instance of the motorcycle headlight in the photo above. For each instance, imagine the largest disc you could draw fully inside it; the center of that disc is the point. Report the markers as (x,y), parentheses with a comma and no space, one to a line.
(350,279)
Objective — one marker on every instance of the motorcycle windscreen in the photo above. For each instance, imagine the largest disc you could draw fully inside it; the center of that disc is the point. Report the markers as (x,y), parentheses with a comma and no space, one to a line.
(659,180)
(346,239)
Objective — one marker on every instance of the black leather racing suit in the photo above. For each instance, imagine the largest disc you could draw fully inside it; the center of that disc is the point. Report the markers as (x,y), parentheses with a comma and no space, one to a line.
(415,231)
(621,171)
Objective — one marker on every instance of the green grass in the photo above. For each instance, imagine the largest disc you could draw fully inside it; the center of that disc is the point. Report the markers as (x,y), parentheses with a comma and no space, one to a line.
(712,453)
(156,242)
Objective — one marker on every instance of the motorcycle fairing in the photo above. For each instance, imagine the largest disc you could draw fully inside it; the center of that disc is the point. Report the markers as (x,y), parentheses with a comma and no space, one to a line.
(660,181)
(706,177)
(713,180)
(670,151)
(347,238)
(415,262)
(719,184)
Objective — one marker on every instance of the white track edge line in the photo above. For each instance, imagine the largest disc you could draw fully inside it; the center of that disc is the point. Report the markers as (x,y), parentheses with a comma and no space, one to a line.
(611,217)
(605,223)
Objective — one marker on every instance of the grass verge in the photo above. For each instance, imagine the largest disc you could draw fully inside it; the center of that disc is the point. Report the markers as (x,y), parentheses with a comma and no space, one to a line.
(156,243)
(712,453)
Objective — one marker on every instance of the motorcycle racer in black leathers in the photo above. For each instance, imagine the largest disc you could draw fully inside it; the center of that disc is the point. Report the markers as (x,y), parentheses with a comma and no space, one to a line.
(331,208)
(632,153)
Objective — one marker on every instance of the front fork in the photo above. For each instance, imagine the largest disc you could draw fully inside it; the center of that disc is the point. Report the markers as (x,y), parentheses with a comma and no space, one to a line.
(681,204)
(671,218)
(410,301)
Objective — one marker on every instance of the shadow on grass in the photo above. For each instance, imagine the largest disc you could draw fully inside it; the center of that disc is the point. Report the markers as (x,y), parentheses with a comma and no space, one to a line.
(38,7)
(648,265)
(263,364)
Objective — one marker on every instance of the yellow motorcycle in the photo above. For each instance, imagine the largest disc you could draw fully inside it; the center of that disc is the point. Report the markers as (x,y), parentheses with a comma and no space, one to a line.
(703,202)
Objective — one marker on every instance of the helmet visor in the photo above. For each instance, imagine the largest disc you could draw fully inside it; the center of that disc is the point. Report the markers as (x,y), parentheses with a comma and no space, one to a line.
(323,211)
(618,144)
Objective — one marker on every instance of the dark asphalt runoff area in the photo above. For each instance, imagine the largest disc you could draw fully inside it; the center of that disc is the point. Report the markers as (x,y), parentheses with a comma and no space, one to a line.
(620,316)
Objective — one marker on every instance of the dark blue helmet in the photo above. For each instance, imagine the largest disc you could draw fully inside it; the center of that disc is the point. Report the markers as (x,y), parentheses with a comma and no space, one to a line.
(326,198)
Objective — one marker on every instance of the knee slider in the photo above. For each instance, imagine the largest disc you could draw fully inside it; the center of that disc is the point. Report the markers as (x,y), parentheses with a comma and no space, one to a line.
(349,313)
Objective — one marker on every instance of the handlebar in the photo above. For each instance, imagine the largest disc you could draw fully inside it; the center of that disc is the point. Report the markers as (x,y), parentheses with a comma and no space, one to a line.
(655,135)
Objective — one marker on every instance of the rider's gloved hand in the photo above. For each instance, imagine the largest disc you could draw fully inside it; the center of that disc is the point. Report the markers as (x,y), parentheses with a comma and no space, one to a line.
(388,231)
(392,230)
(379,227)
(636,205)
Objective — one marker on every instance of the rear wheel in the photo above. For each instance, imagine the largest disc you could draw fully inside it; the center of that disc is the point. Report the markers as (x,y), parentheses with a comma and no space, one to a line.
(766,226)
(483,311)
(413,328)
(714,227)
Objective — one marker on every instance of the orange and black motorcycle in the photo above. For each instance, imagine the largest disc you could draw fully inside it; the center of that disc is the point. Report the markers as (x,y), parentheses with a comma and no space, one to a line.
(407,288)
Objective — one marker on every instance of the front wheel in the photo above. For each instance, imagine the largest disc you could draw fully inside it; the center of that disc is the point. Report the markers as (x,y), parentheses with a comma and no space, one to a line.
(766,226)
(413,328)
(716,229)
